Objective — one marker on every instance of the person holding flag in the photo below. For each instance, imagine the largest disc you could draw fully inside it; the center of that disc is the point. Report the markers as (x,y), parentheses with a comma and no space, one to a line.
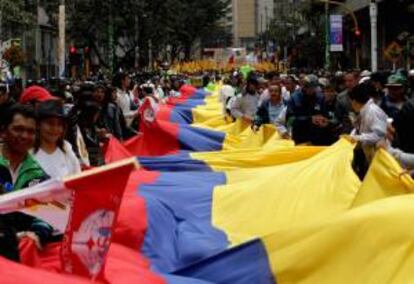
(53,153)
(245,105)
(19,170)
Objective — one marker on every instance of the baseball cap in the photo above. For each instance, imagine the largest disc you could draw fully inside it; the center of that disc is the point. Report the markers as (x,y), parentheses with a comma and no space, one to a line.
(36,94)
(310,81)
(396,80)
(50,108)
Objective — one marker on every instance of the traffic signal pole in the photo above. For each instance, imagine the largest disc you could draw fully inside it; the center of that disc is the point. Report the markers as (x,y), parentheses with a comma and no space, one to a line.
(62,48)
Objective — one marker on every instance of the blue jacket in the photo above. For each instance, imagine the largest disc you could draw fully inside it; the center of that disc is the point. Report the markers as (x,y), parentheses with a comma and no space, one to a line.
(299,117)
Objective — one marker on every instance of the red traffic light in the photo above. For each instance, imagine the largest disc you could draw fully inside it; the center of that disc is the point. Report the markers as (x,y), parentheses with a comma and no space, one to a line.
(72,49)
(357,33)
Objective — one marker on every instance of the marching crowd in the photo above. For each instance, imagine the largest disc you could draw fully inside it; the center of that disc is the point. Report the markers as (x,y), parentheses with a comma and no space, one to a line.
(57,130)
(372,109)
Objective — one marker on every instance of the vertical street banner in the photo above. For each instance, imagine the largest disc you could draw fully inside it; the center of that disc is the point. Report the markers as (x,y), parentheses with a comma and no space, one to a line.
(336,33)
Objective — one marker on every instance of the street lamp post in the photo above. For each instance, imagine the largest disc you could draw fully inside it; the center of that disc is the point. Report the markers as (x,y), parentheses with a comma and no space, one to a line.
(373,12)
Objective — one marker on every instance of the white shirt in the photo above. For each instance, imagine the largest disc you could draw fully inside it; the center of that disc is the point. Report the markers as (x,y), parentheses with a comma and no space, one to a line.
(371,126)
(245,105)
(160,93)
(124,101)
(226,92)
(405,159)
(59,164)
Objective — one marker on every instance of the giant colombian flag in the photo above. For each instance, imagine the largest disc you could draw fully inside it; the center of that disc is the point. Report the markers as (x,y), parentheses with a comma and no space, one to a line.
(250,225)
(194,122)
(266,213)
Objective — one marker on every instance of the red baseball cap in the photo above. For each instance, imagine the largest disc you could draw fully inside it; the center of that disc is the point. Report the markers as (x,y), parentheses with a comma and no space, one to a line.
(36,94)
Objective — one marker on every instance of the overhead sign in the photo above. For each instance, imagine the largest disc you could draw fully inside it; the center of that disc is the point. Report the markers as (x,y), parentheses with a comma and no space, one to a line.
(336,33)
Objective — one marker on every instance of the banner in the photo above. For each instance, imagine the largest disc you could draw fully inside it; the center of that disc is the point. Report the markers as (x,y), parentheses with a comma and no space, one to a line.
(84,207)
(49,201)
(336,35)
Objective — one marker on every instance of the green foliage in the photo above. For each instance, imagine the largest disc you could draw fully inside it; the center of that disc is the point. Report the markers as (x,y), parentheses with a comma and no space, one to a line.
(175,23)
(14,56)
(308,47)
(17,14)
(128,27)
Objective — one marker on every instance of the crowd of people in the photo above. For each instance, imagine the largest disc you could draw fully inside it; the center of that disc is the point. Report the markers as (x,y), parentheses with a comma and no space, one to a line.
(57,130)
(372,109)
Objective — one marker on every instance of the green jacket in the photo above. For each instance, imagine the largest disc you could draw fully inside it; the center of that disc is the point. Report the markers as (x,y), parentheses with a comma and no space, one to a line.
(30,174)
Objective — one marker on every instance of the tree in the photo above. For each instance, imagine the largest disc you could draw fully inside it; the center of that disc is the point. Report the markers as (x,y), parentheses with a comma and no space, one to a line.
(307,47)
(16,15)
(174,25)
(14,55)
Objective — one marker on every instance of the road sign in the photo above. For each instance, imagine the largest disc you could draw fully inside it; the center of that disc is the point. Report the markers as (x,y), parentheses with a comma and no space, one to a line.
(393,52)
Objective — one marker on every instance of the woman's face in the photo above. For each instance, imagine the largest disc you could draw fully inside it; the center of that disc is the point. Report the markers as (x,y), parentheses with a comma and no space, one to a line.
(51,129)
(329,94)
(356,106)
(114,95)
(99,95)
(126,82)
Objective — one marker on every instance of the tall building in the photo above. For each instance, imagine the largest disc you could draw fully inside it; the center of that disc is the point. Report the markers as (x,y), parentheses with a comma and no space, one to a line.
(265,14)
(244,22)
(247,19)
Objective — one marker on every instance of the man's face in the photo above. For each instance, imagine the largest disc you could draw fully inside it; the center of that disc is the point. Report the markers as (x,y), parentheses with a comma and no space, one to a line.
(309,91)
(251,88)
(350,81)
(329,94)
(3,97)
(20,135)
(396,93)
(274,93)
(290,86)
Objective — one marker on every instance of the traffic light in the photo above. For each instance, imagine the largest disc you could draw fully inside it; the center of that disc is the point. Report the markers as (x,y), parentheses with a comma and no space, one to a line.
(74,58)
(73,50)
(357,38)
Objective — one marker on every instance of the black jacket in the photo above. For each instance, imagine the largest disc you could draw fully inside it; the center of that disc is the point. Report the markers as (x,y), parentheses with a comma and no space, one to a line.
(299,116)
(404,126)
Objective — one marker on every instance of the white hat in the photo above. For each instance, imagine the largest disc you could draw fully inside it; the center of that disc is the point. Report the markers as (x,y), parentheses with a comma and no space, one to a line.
(323,82)
(364,79)
(366,73)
